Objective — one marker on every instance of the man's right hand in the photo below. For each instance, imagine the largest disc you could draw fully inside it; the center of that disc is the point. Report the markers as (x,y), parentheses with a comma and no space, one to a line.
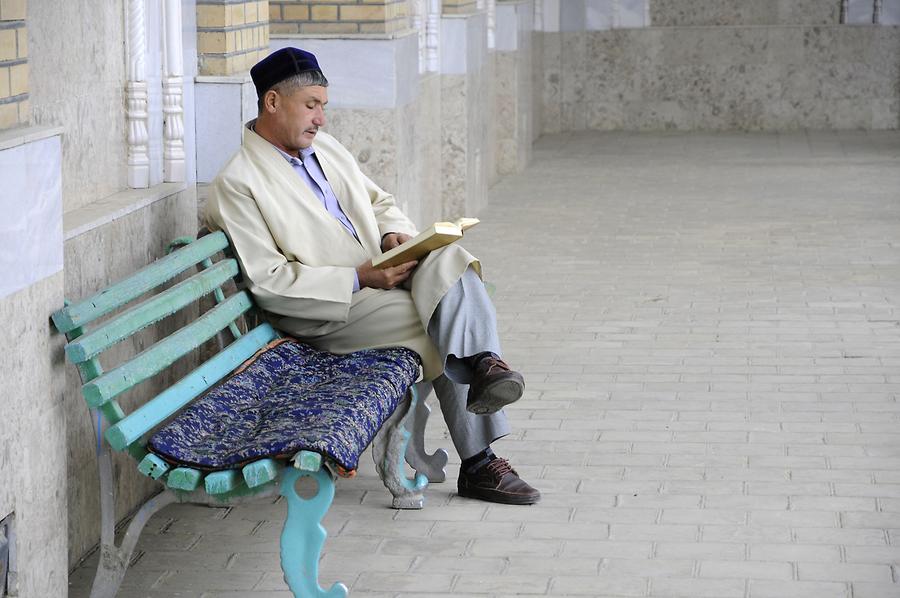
(388,278)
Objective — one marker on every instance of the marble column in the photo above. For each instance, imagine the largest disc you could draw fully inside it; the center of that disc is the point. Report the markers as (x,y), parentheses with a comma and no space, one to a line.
(465,108)
(513,118)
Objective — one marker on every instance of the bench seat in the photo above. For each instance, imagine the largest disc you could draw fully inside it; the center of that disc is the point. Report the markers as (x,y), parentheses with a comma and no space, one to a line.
(287,398)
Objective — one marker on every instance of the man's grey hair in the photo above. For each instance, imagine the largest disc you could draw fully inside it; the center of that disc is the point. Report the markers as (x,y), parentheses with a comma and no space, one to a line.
(295,82)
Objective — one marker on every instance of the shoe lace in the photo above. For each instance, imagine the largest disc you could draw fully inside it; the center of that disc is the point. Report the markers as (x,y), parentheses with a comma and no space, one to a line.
(500,467)
(492,364)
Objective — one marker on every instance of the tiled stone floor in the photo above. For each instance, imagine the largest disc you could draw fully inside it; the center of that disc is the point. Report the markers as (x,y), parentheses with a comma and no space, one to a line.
(710,329)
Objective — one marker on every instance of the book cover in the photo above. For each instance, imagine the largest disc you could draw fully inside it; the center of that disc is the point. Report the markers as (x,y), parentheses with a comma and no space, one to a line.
(434,237)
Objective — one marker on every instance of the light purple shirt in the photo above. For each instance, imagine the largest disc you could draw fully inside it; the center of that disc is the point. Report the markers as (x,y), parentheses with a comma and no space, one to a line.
(310,172)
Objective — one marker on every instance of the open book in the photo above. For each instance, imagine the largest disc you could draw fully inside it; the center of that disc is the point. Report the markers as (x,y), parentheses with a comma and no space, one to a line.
(435,236)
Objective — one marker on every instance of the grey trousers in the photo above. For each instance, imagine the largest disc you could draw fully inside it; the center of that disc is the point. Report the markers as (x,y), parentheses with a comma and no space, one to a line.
(463,324)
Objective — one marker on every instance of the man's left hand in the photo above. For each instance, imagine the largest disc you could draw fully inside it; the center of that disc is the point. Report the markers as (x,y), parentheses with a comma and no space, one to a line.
(391,240)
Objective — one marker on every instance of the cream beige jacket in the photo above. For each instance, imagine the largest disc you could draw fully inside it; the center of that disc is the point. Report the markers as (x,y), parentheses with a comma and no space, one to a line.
(299,262)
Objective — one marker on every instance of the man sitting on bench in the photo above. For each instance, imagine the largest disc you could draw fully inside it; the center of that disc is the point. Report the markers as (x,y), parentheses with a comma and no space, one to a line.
(305,223)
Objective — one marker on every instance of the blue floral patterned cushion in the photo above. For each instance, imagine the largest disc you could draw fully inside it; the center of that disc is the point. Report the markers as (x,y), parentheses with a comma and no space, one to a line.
(288,398)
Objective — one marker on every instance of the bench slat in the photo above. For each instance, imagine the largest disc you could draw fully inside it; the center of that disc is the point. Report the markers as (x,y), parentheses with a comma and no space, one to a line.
(153,466)
(184,478)
(307,461)
(150,311)
(154,412)
(165,352)
(260,472)
(220,482)
(138,283)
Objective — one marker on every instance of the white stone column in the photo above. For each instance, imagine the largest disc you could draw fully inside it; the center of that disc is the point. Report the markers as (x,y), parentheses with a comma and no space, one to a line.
(173,94)
(433,36)
(538,15)
(491,24)
(420,17)
(136,98)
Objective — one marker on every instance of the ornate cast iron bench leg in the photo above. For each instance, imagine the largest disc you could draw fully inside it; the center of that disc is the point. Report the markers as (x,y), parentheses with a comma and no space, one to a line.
(114,559)
(303,535)
(432,466)
(389,449)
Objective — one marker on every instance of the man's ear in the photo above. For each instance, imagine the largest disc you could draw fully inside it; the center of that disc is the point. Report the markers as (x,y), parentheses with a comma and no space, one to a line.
(270,100)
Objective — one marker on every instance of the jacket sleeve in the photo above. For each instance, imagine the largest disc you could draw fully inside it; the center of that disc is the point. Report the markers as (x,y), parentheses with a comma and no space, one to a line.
(279,285)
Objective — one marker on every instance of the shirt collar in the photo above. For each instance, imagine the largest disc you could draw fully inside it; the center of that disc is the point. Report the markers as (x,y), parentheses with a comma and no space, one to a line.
(304,153)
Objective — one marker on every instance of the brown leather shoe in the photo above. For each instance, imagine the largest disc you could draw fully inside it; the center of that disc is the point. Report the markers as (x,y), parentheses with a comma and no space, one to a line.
(497,481)
(494,385)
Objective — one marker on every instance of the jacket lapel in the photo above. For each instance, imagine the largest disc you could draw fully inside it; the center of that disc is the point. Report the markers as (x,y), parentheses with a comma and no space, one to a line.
(298,190)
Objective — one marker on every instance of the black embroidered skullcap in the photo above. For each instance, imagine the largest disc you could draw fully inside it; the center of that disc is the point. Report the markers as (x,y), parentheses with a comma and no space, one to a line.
(280,65)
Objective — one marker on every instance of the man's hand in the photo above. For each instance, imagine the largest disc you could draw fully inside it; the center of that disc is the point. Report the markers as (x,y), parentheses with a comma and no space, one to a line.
(391,240)
(369,276)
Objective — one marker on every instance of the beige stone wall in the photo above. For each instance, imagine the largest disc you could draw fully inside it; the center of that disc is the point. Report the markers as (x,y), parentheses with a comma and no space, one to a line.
(347,17)
(15,108)
(692,13)
(32,440)
(512,110)
(723,78)
(231,37)
(94,260)
(77,82)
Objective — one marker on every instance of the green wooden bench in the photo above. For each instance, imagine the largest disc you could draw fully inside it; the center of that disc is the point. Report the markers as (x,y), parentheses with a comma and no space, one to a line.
(148,298)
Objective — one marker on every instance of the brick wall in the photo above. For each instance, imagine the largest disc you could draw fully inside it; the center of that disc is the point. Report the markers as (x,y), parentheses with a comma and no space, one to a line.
(456,7)
(338,16)
(232,35)
(14,105)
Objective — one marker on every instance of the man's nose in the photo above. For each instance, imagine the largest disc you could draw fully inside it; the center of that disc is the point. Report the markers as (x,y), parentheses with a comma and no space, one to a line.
(319,118)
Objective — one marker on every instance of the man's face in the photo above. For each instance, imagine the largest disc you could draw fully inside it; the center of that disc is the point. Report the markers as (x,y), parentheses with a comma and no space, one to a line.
(298,116)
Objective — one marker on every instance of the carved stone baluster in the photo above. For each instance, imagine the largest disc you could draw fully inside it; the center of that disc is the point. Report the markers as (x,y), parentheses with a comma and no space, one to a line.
(844,7)
(538,15)
(876,12)
(136,99)
(173,96)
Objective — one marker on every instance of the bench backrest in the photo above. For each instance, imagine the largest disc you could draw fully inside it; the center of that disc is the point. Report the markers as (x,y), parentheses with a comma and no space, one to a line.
(139,301)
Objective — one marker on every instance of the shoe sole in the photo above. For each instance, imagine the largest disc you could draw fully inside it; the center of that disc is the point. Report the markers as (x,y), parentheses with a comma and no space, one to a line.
(499,498)
(496,396)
